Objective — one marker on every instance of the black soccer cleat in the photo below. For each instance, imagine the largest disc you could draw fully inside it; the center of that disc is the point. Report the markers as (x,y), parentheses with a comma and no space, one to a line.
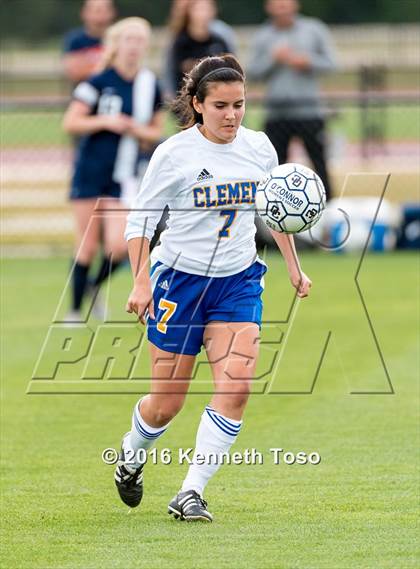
(189,506)
(129,483)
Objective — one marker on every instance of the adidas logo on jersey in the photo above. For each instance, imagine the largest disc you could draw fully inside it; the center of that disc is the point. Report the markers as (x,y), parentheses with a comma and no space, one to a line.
(204,175)
(164,284)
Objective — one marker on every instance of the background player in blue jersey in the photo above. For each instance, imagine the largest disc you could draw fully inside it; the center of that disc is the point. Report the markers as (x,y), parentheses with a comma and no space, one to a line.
(206,280)
(83,46)
(116,113)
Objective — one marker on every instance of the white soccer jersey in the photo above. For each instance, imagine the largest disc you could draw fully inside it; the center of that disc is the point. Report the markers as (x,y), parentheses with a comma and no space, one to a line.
(210,190)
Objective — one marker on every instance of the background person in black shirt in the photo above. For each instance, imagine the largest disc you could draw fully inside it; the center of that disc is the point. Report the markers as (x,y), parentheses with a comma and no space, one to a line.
(194,38)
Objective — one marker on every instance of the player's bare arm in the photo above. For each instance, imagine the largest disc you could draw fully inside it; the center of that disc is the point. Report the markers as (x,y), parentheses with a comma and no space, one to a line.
(78,120)
(148,134)
(299,280)
(140,299)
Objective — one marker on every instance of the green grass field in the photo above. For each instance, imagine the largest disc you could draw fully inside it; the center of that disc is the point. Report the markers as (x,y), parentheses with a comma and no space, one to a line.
(41,129)
(356,509)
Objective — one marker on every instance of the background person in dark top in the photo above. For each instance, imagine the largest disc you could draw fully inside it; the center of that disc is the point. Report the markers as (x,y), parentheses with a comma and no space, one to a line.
(194,39)
(83,46)
(176,19)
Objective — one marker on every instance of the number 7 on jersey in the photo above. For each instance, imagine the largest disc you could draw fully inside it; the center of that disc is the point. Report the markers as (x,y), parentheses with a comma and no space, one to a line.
(230,217)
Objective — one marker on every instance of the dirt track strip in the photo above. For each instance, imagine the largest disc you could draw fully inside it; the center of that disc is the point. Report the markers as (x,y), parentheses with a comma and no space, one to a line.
(36,164)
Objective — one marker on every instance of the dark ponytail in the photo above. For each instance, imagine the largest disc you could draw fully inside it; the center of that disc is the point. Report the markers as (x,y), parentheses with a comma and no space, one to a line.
(224,68)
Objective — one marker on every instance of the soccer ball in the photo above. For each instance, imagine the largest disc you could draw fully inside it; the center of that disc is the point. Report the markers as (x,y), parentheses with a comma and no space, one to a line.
(291,198)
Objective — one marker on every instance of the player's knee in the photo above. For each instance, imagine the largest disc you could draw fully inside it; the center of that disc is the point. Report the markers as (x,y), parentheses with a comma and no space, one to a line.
(239,394)
(165,411)
(120,255)
(163,415)
(239,400)
(117,251)
(87,252)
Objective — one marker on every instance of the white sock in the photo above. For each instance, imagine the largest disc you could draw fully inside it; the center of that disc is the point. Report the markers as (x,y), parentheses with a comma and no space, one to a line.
(141,436)
(215,435)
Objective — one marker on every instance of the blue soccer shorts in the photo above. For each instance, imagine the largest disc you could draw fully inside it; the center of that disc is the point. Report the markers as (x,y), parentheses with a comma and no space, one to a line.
(81,191)
(185,303)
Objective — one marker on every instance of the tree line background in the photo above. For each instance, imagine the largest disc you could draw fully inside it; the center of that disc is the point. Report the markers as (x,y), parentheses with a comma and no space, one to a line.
(44,19)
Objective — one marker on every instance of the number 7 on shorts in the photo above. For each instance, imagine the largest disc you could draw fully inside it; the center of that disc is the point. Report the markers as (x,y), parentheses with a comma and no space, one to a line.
(169,309)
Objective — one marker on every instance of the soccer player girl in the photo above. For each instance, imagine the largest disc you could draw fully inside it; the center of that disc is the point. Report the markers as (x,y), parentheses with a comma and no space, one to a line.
(205,283)
(117,115)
